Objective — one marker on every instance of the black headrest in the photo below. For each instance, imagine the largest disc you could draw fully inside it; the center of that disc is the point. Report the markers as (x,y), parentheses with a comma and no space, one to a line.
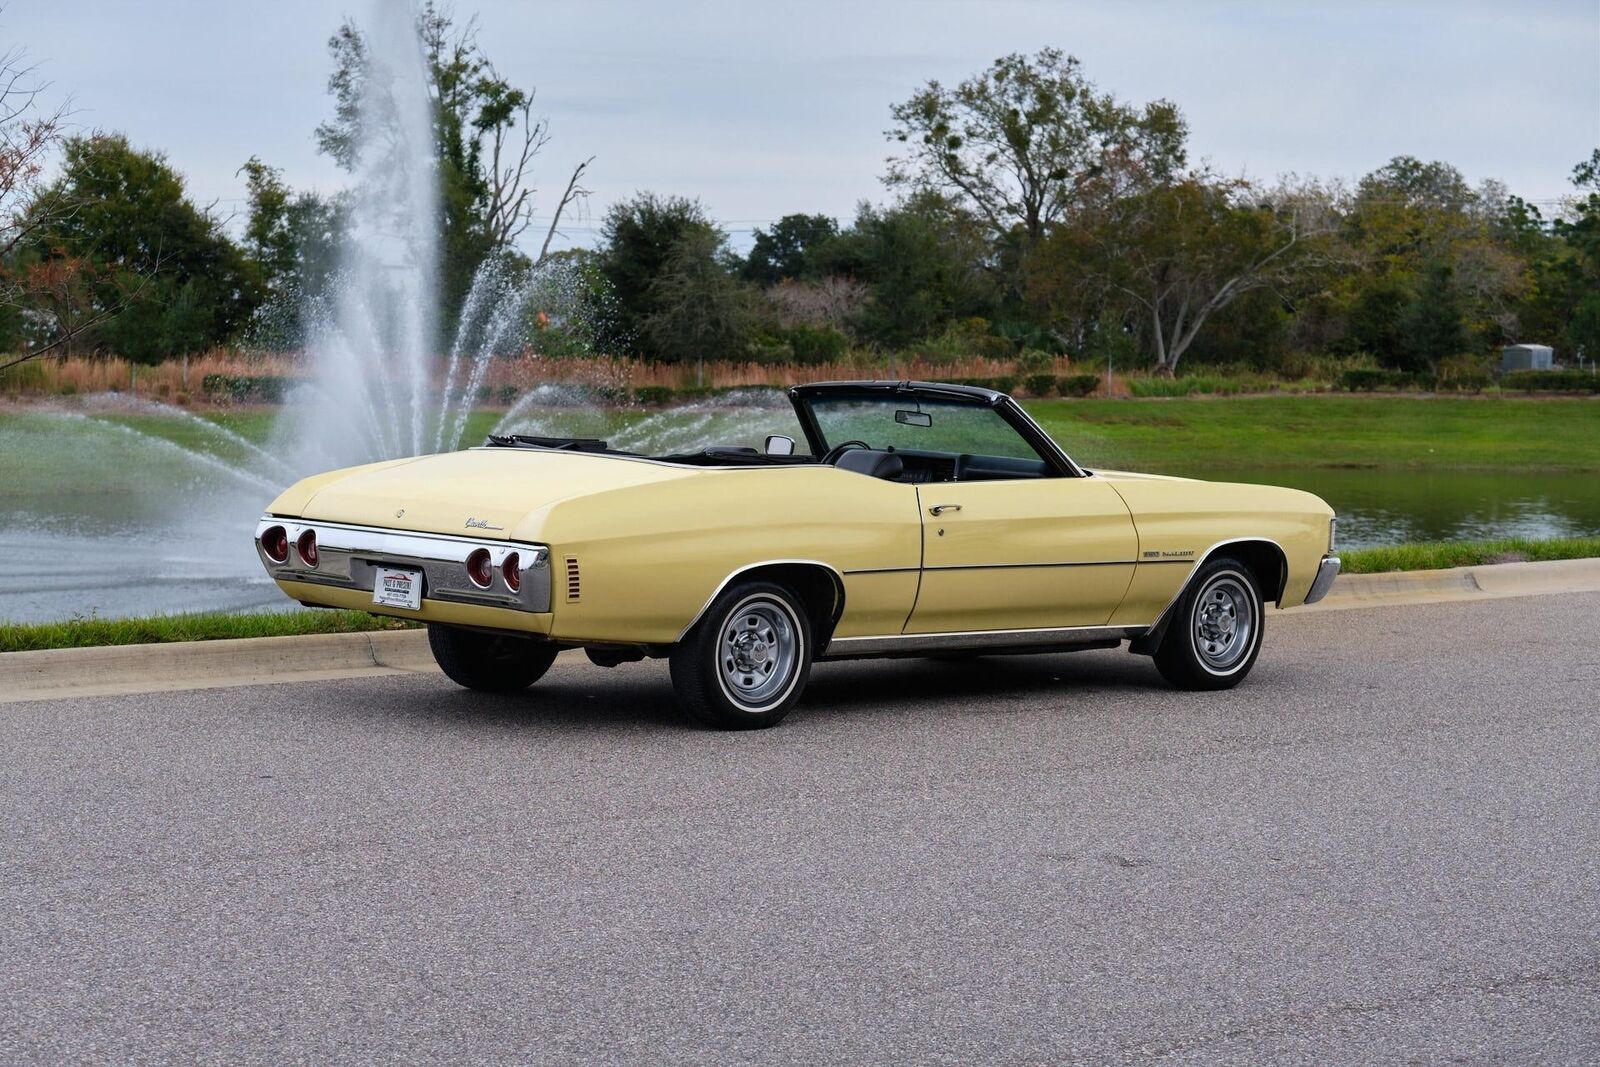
(871,463)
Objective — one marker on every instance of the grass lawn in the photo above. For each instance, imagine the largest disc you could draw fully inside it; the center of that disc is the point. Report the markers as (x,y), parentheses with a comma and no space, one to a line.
(1464,554)
(205,626)
(1193,433)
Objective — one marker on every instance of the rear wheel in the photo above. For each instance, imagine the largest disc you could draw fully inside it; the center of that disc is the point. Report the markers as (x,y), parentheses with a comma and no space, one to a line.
(1216,629)
(744,664)
(490,663)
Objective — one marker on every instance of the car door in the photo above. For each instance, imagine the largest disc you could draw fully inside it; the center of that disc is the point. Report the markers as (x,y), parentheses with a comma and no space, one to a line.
(1024,554)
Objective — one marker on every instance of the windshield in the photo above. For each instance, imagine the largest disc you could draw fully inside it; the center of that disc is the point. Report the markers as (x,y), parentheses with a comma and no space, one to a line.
(905,423)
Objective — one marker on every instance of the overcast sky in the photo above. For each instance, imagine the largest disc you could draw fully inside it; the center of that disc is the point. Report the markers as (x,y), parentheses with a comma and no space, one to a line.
(762,109)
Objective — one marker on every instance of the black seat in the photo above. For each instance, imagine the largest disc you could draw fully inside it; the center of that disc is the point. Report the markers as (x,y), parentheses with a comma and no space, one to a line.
(872,463)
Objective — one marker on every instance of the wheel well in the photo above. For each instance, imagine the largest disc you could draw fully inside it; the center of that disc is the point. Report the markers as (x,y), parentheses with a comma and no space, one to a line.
(1267,563)
(820,589)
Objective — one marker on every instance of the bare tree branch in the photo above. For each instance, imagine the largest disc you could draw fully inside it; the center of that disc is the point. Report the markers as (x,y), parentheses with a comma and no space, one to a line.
(573,193)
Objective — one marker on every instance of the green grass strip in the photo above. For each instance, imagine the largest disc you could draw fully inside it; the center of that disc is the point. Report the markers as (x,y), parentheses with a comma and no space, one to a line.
(200,626)
(1433,557)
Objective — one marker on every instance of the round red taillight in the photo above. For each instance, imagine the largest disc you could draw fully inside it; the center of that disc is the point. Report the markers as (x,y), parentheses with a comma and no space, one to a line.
(275,543)
(307,547)
(479,568)
(511,571)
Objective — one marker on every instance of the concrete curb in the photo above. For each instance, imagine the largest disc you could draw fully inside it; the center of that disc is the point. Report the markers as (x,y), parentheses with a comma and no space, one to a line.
(88,672)
(80,672)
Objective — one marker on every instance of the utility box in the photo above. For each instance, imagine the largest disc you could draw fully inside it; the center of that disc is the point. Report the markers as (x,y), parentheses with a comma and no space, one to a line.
(1526,357)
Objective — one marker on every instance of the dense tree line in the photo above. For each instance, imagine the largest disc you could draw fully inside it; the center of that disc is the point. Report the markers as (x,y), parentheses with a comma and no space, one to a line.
(1031,214)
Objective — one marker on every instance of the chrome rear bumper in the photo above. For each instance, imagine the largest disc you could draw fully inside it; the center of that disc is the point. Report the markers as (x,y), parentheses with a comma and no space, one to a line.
(1326,573)
(347,557)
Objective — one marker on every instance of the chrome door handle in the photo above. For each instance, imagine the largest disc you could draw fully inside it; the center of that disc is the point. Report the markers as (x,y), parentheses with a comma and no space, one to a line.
(940,509)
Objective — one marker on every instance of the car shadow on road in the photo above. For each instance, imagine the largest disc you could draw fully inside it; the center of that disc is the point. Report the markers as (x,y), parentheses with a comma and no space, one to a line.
(883,684)
(640,695)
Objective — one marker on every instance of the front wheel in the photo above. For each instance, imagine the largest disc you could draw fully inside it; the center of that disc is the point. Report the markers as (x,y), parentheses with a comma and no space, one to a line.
(745,663)
(490,663)
(1216,629)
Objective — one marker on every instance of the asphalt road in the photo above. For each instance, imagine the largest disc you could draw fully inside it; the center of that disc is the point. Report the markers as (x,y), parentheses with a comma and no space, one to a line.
(1385,846)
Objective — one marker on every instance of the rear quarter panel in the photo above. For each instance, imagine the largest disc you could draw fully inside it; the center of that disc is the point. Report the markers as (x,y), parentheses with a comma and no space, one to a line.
(649,557)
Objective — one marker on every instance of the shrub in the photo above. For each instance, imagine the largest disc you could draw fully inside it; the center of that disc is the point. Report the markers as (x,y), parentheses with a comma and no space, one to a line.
(1003,384)
(963,338)
(504,395)
(1039,384)
(653,394)
(816,344)
(246,388)
(769,351)
(1034,361)
(1146,387)
(1361,380)
(1551,381)
(1467,382)
(1078,384)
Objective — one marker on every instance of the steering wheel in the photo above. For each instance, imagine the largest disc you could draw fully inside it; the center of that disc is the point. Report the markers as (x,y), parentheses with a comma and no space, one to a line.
(840,449)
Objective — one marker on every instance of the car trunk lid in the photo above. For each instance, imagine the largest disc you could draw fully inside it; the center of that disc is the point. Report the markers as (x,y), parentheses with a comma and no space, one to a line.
(479,492)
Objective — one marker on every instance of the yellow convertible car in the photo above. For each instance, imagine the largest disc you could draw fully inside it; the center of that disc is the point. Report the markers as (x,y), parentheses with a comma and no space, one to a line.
(916,519)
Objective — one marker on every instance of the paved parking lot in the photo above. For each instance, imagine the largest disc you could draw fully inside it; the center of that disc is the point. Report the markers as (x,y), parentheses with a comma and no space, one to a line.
(1384,846)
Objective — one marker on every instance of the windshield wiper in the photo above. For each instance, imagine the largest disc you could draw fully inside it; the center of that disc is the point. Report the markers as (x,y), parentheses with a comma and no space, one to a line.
(558,444)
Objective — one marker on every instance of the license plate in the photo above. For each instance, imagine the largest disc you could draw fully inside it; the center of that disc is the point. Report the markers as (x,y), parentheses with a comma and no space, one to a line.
(397,588)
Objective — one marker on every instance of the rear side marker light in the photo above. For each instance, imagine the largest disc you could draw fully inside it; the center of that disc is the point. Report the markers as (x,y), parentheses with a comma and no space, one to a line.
(307,547)
(275,543)
(479,569)
(511,571)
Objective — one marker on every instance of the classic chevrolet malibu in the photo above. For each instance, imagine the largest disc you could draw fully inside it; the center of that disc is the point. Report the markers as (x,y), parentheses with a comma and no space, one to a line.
(919,520)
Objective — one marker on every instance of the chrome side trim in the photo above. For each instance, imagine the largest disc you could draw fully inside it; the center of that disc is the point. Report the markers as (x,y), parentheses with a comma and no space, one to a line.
(348,557)
(837,578)
(977,640)
(1327,571)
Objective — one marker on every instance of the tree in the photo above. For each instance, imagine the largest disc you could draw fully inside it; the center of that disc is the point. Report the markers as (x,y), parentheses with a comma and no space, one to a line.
(789,249)
(291,241)
(486,135)
(639,238)
(164,275)
(923,263)
(1431,327)
(29,134)
(1412,223)
(1028,142)
(1178,253)
(1579,232)
(700,309)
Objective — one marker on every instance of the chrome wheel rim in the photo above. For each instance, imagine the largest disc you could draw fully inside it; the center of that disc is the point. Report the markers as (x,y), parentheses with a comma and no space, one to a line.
(758,652)
(1223,623)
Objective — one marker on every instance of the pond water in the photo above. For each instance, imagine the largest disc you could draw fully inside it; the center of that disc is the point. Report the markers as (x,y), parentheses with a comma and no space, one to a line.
(100,519)
(1388,507)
